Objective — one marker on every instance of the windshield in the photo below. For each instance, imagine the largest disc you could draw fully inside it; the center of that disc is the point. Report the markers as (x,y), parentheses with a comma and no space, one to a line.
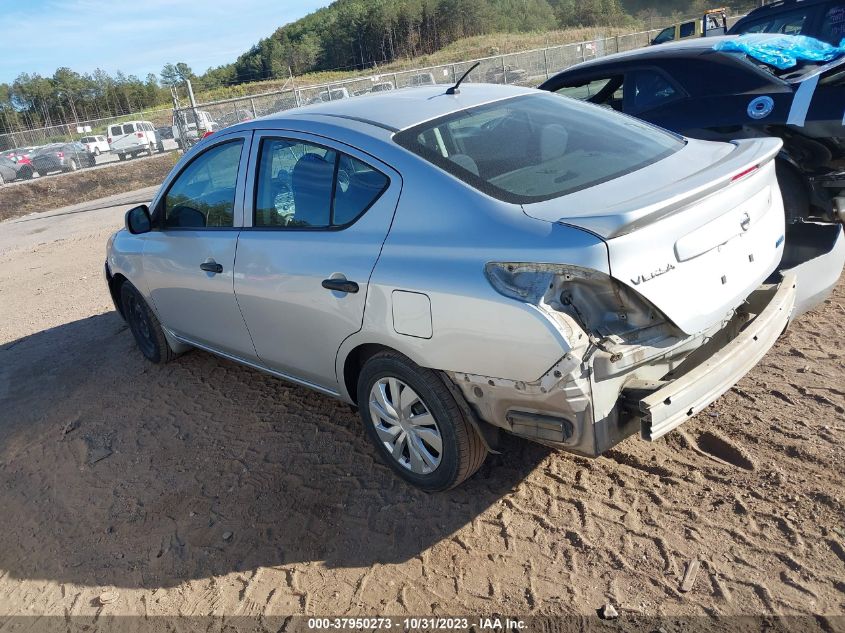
(537,147)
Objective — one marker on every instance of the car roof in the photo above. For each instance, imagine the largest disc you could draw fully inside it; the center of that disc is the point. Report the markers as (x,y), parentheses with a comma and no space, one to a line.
(396,110)
(778,6)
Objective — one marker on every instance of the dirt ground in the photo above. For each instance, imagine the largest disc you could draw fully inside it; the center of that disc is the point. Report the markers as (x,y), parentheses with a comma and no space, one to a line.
(203,487)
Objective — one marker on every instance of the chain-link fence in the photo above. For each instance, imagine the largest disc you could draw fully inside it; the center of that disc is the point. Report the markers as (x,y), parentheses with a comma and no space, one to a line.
(527,68)
(73,131)
(186,125)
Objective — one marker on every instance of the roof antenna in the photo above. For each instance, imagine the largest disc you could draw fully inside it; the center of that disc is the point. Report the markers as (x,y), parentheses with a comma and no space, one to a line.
(456,88)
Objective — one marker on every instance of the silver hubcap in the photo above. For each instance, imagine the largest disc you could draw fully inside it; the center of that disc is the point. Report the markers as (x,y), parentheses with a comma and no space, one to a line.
(405,426)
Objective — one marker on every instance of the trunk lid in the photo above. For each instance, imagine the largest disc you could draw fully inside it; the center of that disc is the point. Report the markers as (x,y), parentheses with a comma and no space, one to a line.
(694,233)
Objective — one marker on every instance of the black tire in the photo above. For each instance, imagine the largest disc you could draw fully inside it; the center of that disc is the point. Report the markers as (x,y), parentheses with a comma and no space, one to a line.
(72,166)
(25,173)
(121,157)
(144,326)
(463,452)
(796,198)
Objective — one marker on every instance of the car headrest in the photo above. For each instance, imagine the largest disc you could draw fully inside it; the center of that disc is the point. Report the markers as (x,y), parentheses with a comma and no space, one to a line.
(311,181)
(553,141)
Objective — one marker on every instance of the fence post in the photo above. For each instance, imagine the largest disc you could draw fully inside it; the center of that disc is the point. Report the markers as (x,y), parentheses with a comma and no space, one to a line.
(546,61)
(454,74)
(504,71)
(617,43)
(252,103)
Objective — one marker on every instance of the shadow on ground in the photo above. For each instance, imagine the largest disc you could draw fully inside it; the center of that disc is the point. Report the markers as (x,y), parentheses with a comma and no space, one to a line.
(114,471)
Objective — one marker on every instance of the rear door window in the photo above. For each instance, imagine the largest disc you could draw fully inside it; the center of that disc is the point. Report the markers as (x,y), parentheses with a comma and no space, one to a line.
(115,130)
(306,186)
(129,128)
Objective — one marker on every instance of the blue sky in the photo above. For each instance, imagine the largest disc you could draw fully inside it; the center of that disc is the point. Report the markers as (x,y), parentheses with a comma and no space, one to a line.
(135,37)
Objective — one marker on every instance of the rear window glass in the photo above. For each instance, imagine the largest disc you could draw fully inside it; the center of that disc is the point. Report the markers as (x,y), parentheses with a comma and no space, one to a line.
(538,147)
(114,130)
(128,128)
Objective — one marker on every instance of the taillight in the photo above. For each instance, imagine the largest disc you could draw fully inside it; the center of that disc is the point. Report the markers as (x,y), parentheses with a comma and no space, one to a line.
(139,134)
(60,154)
(745,173)
(108,140)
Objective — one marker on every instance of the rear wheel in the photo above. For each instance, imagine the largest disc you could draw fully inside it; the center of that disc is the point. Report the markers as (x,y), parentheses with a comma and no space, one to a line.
(121,157)
(416,425)
(25,173)
(144,325)
(73,165)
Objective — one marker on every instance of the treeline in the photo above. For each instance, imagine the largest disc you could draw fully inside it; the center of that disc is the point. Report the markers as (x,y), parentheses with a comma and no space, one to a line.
(347,34)
(361,33)
(67,97)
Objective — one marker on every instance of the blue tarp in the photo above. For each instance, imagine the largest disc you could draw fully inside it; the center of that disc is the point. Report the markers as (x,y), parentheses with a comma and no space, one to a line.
(782,51)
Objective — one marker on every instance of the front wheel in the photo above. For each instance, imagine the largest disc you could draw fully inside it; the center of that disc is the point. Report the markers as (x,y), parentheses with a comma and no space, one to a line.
(144,325)
(415,424)
(121,157)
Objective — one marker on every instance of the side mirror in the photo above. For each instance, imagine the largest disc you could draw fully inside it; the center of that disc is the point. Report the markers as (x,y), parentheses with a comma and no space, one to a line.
(138,220)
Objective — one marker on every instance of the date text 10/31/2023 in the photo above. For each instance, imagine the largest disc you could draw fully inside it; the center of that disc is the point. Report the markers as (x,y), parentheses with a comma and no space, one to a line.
(495,623)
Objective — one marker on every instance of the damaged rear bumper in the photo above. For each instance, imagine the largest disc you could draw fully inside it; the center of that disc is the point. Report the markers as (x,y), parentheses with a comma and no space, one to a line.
(674,403)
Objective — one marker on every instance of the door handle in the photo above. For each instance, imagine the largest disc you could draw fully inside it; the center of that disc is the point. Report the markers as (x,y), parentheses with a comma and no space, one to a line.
(211,267)
(340,285)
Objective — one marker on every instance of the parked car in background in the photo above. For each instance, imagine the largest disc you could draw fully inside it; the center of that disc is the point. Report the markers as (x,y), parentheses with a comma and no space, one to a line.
(62,157)
(714,22)
(132,138)
(633,273)
(194,123)
(382,86)
(165,132)
(96,144)
(21,159)
(509,74)
(421,79)
(238,116)
(335,94)
(8,170)
(695,90)
(821,19)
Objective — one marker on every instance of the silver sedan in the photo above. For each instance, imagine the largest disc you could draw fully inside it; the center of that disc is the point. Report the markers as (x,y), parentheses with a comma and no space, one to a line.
(457,265)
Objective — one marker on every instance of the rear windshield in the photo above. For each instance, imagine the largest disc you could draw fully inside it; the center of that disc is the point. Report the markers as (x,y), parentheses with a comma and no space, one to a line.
(128,128)
(538,147)
(114,130)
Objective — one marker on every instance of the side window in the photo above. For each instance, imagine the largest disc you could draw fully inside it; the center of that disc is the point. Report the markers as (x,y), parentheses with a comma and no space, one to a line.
(787,22)
(833,24)
(606,91)
(203,195)
(115,130)
(647,89)
(302,185)
(666,35)
(129,128)
(687,29)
